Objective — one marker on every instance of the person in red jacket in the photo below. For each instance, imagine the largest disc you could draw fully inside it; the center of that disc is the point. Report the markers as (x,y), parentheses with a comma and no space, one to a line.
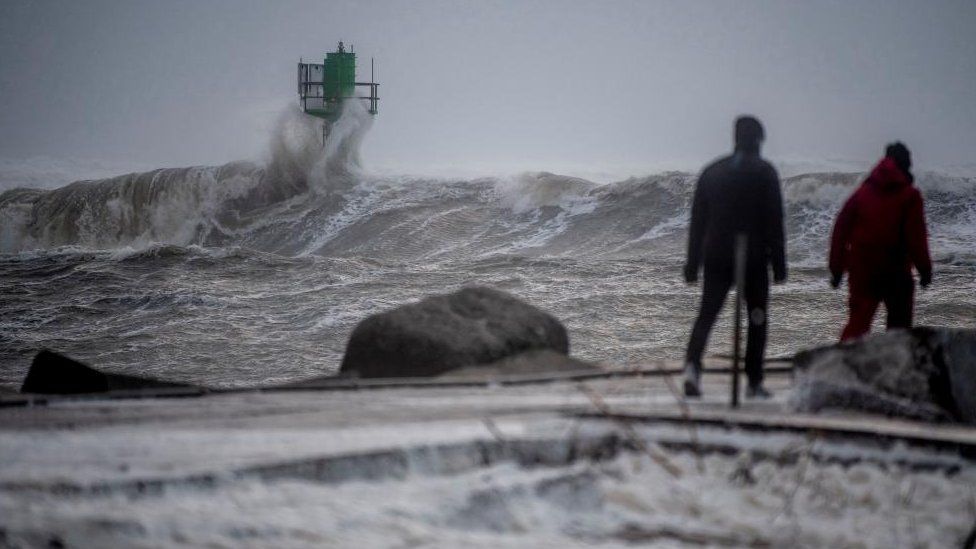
(879,235)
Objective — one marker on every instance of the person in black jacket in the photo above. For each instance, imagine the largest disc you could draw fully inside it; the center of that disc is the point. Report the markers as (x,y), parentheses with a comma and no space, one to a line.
(737,194)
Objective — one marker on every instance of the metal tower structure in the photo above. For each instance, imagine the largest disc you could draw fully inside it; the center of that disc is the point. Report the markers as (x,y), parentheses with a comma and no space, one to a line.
(324,87)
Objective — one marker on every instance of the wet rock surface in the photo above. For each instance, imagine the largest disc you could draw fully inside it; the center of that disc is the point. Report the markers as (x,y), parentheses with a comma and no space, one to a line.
(471,327)
(922,373)
(959,357)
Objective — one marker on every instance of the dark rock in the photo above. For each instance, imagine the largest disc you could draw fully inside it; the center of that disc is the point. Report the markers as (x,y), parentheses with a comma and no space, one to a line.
(474,326)
(923,373)
(958,352)
(54,374)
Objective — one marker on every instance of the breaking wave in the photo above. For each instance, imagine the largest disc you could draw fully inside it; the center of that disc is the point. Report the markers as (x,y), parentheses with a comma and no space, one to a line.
(313,200)
(256,273)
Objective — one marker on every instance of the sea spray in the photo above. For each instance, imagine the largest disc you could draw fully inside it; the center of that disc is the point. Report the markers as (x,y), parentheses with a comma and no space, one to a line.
(212,206)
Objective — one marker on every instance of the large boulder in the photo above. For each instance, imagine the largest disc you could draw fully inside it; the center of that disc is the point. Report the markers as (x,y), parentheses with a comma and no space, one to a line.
(923,373)
(471,327)
(957,350)
(55,374)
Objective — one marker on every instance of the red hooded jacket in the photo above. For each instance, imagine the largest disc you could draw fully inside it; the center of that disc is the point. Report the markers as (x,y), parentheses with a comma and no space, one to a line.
(880,232)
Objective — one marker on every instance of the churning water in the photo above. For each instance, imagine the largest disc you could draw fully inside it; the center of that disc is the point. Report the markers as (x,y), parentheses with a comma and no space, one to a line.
(245,274)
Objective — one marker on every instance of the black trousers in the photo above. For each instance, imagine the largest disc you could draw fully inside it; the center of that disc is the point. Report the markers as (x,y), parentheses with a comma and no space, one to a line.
(717,284)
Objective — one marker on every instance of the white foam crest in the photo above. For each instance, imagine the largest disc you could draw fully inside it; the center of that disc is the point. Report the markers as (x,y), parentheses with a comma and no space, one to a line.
(946,183)
(557,225)
(667,227)
(361,202)
(820,189)
(532,190)
(191,205)
(307,196)
(954,241)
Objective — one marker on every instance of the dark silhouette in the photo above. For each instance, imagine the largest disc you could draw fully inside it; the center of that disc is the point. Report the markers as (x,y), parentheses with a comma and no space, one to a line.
(878,236)
(55,374)
(737,194)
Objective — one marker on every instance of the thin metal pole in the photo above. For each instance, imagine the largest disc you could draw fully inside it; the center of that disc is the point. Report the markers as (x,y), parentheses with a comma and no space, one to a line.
(740,276)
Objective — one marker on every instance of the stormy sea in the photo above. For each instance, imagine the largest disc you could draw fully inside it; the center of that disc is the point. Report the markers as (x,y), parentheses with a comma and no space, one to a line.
(255,273)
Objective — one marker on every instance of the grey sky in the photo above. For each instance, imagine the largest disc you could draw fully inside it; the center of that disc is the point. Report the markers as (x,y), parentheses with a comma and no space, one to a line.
(495,85)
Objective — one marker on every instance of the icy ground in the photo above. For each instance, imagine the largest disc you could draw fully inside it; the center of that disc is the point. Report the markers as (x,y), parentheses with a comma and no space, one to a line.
(485,466)
(775,491)
(731,501)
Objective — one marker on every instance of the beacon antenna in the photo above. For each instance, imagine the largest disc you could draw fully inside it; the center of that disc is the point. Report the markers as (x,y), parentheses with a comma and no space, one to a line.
(324,87)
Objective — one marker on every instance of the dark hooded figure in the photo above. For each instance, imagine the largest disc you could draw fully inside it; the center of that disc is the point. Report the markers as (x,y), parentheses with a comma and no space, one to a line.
(737,194)
(879,235)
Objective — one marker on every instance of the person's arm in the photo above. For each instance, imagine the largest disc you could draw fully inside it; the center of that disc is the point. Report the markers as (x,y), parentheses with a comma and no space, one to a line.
(775,233)
(918,240)
(839,240)
(696,229)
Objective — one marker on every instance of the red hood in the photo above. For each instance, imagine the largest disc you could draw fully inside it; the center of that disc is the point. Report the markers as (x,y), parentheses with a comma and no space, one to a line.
(887,177)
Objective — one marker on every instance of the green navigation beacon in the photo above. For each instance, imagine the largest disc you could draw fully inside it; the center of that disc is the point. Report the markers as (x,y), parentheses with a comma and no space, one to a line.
(323,87)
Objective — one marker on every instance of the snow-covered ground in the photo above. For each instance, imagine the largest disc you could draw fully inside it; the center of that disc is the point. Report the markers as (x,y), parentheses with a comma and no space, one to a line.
(491,466)
(540,483)
(718,500)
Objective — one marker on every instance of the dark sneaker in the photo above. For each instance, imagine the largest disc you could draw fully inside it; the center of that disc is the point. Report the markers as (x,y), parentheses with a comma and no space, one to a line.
(692,380)
(758,391)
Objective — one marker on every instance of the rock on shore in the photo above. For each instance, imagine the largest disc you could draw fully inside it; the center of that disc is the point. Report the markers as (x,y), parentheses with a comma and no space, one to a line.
(476,326)
(51,373)
(923,373)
